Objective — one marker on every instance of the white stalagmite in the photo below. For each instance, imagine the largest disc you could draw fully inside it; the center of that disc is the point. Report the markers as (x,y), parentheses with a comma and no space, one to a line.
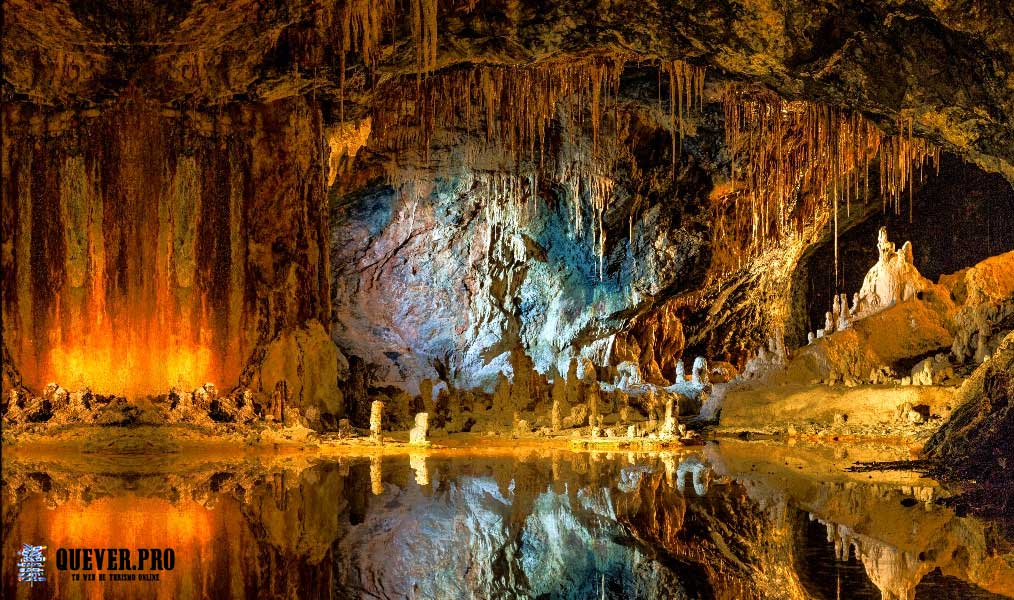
(891,280)
(417,435)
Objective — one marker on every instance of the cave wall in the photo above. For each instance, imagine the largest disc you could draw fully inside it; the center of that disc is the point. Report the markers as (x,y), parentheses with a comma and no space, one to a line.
(430,271)
(145,247)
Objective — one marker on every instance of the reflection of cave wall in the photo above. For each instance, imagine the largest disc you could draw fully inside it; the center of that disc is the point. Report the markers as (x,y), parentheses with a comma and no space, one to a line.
(138,250)
(959,217)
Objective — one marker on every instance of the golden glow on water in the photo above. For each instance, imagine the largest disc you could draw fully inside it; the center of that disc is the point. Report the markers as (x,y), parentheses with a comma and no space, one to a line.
(194,532)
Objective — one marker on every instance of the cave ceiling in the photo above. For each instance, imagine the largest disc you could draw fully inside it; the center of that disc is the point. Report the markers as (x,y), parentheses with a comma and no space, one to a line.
(947,65)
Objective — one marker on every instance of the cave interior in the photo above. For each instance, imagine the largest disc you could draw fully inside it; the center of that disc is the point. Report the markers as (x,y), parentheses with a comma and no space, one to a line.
(599,222)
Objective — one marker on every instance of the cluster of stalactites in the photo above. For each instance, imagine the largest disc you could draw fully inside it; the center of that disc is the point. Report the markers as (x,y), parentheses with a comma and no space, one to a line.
(508,108)
(508,204)
(686,89)
(902,156)
(359,26)
(798,161)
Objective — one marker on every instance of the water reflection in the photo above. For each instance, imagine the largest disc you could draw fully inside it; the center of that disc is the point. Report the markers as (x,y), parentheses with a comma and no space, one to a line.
(715,523)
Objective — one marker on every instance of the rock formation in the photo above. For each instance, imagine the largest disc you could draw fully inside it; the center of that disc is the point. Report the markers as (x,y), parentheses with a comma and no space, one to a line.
(376,418)
(417,435)
(892,280)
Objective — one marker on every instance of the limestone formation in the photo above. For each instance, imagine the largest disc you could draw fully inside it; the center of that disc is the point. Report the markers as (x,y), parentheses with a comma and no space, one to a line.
(845,314)
(891,280)
(418,464)
(417,435)
(376,419)
(700,374)
(556,418)
(630,372)
(279,401)
(593,404)
(699,472)
(669,425)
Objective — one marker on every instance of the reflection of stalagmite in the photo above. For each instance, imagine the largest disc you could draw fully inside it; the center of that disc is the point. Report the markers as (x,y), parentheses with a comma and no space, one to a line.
(669,464)
(418,463)
(376,476)
(700,473)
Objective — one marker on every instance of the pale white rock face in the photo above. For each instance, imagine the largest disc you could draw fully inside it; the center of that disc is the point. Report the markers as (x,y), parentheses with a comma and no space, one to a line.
(631,372)
(892,280)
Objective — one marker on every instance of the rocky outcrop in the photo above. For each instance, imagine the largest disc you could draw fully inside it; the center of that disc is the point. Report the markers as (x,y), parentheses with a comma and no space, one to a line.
(306,363)
(977,443)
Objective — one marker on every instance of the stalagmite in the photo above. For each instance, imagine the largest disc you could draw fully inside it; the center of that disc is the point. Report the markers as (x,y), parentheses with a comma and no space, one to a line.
(593,404)
(556,418)
(845,316)
(279,400)
(891,280)
(376,417)
(681,374)
(669,425)
(417,435)
(560,406)
(700,374)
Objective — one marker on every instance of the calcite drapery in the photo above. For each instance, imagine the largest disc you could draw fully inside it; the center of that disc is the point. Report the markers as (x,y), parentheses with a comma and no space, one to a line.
(138,255)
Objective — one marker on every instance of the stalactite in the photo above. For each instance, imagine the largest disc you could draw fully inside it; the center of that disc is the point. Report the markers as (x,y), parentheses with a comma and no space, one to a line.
(686,88)
(424,32)
(509,107)
(497,118)
(796,161)
(359,27)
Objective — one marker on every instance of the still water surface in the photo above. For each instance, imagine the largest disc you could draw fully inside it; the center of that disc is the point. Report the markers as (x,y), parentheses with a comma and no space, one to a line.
(726,520)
